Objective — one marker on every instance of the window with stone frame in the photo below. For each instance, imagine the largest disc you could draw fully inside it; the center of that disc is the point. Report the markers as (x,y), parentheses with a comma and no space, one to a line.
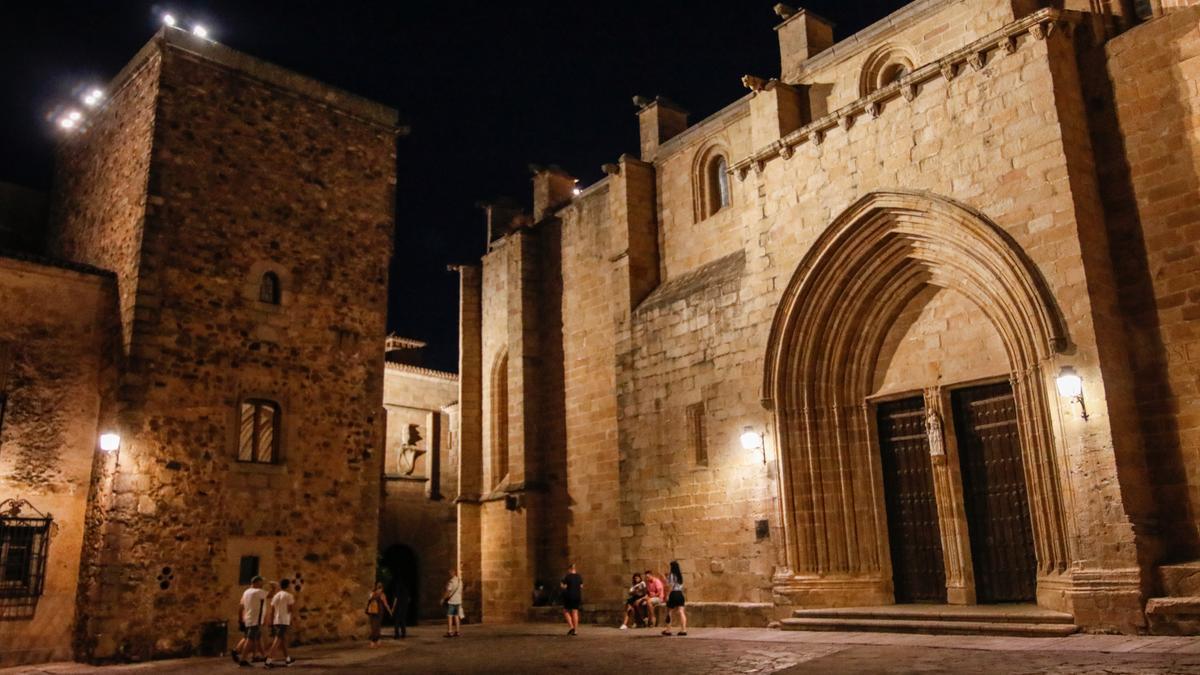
(269,291)
(718,184)
(258,436)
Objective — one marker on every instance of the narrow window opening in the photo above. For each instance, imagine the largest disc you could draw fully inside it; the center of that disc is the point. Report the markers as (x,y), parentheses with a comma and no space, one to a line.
(259,436)
(697,439)
(500,421)
(718,184)
(268,288)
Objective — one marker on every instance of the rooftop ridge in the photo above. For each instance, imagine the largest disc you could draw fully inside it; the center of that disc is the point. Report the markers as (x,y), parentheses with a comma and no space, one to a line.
(418,370)
(57,263)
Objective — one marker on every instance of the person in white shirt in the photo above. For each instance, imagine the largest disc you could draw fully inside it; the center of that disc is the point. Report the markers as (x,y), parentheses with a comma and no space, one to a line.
(250,615)
(281,617)
(452,599)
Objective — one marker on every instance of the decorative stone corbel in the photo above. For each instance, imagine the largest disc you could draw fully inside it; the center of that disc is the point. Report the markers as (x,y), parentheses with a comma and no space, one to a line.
(977,60)
(741,173)
(1038,31)
(1009,44)
(785,150)
(873,109)
(758,166)
(818,136)
(947,69)
(909,91)
(846,121)
(754,84)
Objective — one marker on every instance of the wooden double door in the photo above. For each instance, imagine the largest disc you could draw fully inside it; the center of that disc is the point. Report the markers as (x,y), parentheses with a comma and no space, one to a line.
(994,495)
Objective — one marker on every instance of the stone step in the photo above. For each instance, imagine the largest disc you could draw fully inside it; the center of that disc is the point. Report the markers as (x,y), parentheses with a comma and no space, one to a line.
(931,626)
(1181,579)
(949,613)
(1174,616)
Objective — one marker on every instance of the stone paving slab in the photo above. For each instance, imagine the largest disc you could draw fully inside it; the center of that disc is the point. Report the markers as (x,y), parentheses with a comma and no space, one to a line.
(530,648)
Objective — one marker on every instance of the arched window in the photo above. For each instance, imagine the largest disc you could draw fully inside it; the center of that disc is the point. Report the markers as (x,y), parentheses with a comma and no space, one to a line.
(500,421)
(885,67)
(718,180)
(891,73)
(710,182)
(268,288)
(258,438)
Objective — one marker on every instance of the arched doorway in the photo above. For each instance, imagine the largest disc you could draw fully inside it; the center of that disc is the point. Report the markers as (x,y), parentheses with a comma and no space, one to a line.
(402,574)
(859,276)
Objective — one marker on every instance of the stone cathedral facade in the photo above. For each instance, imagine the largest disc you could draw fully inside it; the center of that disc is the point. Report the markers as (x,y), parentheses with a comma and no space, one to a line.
(916,320)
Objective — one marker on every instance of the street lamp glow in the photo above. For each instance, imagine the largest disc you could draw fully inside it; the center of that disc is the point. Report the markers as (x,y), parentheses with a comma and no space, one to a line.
(576,191)
(200,31)
(74,115)
(66,123)
(751,439)
(169,20)
(110,441)
(1070,385)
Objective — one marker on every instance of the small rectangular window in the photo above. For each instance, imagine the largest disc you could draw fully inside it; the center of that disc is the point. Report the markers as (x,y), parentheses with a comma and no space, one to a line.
(258,440)
(697,440)
(247,569)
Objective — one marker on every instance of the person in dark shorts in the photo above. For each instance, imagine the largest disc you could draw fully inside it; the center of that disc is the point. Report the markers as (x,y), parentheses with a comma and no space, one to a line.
(281,621)
(572,598)
(250,614)
(675,599)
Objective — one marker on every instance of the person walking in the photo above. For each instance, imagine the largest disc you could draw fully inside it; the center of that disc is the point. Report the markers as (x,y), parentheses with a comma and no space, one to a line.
(572,598)
(250,614)
(452,599)
(281,621)
(376,605)
(675,599)
(399,610)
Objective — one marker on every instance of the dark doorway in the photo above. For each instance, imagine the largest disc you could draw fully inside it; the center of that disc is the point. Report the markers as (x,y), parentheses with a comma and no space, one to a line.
(994,493)
(402,577)
(918,571)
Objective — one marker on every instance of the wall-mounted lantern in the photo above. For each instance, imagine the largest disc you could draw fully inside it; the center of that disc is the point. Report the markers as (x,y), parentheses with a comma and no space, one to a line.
(753,440)
(1070,386)
(110,441)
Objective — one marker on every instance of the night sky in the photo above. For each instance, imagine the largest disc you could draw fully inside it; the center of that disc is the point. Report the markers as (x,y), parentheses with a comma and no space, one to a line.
(488,88)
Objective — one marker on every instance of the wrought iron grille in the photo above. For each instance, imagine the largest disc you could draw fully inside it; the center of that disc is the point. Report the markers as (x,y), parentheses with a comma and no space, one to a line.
(24,538)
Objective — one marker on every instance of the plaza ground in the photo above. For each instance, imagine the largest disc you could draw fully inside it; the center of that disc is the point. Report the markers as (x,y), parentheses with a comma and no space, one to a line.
(525,648)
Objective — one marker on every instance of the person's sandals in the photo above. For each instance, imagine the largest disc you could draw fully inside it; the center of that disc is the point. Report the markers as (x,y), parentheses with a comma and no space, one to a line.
(233,653)
(571,632)
(667,633)
(682,632)
(448,635)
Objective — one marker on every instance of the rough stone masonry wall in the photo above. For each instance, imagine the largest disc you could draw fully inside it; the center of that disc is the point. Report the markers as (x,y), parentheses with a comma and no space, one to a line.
(1151,183)
(53,341)
(411,516)
(991,139)
(245,177)
(99,199)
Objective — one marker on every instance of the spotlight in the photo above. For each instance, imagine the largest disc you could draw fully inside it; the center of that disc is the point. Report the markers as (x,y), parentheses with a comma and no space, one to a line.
(200,31)
(576,191)
(74,115)
(168,20)
(66,123)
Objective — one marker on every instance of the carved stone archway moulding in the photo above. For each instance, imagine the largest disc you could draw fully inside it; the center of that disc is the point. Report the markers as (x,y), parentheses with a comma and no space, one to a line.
(824,342)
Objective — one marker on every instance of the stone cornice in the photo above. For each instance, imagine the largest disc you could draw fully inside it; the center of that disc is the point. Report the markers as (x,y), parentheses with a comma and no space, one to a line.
(44,262)
(418,370)
(974,56)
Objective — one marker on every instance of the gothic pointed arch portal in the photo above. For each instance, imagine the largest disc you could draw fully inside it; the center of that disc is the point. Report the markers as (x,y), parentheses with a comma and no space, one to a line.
(824,342)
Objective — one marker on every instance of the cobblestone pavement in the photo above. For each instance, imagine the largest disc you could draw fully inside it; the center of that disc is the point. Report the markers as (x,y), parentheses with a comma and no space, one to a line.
(543,648)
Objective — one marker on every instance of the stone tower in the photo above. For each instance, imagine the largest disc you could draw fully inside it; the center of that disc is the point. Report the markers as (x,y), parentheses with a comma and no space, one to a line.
(247,212)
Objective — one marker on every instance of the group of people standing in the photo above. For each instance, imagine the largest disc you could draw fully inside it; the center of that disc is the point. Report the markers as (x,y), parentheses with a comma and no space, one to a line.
(646,594)
(270,608)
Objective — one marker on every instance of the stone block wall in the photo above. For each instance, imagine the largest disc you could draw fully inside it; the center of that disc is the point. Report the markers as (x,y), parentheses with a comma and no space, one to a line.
(250,169)
(419,513)
(1150,184)
(56,341)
